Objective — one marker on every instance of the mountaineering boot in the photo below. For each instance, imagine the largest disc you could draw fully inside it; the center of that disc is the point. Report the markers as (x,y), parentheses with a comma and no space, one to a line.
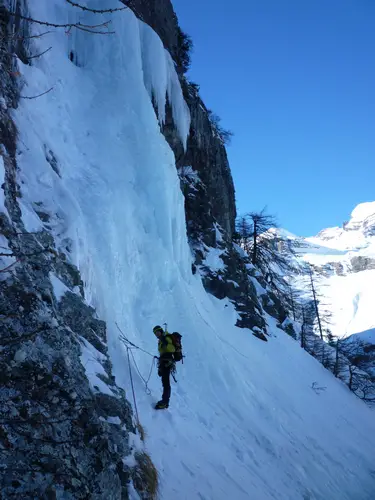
(161,405)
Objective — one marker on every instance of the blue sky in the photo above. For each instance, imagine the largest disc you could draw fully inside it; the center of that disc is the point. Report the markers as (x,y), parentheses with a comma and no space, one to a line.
(295,81)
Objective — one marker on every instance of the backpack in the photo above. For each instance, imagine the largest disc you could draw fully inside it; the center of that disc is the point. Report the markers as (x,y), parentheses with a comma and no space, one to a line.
(176,339)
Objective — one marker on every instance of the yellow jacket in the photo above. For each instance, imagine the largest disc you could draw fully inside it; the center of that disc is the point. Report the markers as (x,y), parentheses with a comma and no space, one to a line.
(166,345)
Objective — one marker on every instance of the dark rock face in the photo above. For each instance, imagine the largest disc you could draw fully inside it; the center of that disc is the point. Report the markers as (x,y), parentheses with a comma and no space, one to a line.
(207,156)
(234,283)
(338,267)
(361,353)
(273,306)
(59,435)
(212,199)
(330,269)
(369,226)
(361,263)
(260,336)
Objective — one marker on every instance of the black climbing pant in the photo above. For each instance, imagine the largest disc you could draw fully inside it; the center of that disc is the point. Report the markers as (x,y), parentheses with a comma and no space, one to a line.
(165,368)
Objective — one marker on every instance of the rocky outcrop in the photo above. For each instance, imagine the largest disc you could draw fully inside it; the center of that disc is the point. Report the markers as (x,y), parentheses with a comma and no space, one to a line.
(212,199)
(60,434)
(338,268)
(361,263)
(233,282)
(273,306)
(360,350)
(330,269)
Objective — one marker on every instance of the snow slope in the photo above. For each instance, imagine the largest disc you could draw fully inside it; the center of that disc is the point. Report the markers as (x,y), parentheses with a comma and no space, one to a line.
(244,422)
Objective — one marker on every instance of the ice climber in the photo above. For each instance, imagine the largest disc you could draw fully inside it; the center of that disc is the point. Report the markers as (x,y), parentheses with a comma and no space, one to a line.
(166,365)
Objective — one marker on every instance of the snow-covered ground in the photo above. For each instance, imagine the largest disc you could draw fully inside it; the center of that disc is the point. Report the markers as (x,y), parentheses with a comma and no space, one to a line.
(244,421)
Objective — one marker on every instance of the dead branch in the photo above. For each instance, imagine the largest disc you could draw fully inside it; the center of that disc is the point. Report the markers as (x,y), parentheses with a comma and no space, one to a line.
(21,37)
(39,55)
(36,96)
(95,11)
(8,267)
(316,388)
(83,27)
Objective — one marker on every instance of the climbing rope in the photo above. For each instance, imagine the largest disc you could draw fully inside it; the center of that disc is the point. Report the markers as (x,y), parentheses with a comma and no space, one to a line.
(127,342)
(129,348)
(148,391)
(132,385)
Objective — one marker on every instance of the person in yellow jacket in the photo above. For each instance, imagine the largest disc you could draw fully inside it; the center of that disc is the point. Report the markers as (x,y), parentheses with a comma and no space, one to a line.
(166,363)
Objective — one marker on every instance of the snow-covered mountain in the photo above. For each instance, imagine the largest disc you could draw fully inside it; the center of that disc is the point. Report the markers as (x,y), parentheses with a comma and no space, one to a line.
(346,258)
(354,232)
(93,217)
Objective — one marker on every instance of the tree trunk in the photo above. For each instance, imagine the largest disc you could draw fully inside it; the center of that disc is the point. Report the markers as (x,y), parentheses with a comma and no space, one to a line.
(316,305)
(303,329)
(293,306)
(255,237)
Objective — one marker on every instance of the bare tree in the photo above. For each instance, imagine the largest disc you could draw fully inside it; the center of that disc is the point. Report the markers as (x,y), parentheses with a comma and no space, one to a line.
(303,329)
(261,223)
(272,254)
(243,233)
(294,301)
(292,296)
(223,134)
(306,327)
(338,363)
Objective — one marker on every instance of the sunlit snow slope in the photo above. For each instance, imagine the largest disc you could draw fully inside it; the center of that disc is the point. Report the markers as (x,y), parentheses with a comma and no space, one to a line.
(244,422)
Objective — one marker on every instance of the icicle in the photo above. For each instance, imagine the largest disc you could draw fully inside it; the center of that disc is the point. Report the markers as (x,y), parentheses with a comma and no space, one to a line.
(161,80)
